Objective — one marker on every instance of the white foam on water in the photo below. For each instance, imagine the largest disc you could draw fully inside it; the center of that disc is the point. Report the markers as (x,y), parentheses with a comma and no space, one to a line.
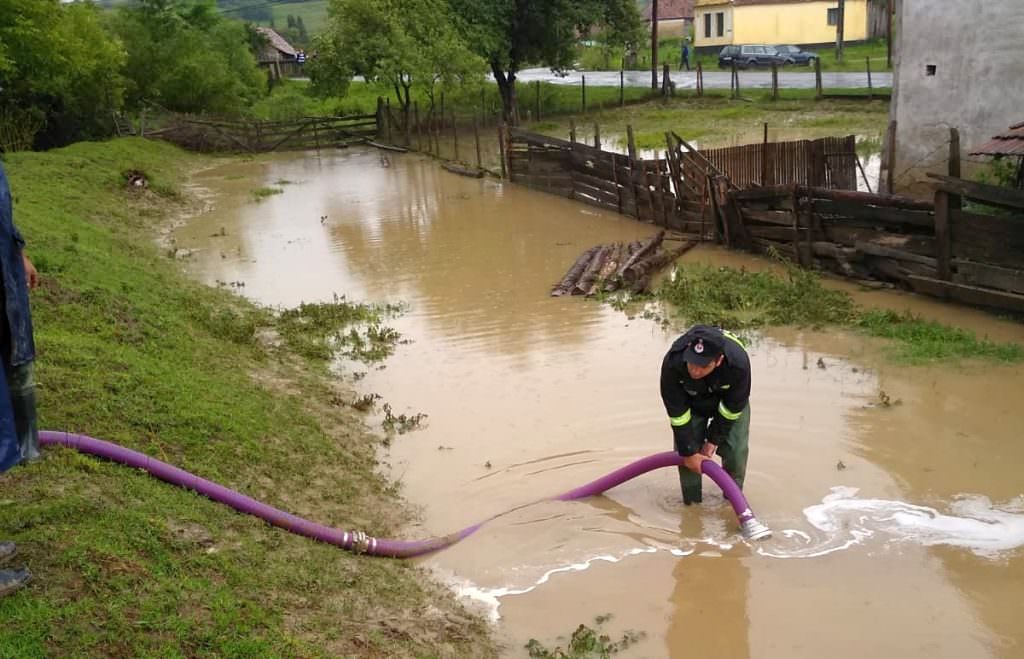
(972,523)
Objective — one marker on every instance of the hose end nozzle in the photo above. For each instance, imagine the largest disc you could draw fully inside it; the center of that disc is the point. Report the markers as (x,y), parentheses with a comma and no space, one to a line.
(755,530)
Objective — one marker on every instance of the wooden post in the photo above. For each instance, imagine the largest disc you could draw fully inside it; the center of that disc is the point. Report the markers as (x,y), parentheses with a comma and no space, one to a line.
(584,79)
(380,116)
(622,88)
(956,201)
(888,35)
(537,113)
(387,110)
(476,138)
(666,82)
(630,142)
(841,19)
(597,136)
(871,91)
(890,157)
(764,158)
(817,76)
(455,136)
(775,81)
(503,149)
(943,247)
(615,179)
(700,79)
(572,131)
(734,83)
(419,131)
(654,45)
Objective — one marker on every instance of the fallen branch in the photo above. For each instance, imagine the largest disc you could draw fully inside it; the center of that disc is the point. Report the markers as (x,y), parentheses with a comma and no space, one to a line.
(574,273)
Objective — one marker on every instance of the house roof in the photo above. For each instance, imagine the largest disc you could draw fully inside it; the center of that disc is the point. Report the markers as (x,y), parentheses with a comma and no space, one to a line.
(1008,143)
(277,41)
(670,10)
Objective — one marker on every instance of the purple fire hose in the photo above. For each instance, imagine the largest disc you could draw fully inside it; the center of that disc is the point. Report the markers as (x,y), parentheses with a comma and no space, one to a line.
(359,542)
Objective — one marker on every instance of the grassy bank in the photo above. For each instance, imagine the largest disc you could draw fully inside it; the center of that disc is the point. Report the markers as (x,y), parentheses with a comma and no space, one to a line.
(132,351)
(716,120)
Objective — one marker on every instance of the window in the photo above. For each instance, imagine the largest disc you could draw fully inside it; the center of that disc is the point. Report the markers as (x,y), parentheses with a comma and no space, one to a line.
(720,20)
(707,25)
(833,16)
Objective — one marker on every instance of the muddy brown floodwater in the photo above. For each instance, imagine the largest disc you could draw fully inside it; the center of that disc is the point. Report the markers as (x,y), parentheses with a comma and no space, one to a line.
(898,530)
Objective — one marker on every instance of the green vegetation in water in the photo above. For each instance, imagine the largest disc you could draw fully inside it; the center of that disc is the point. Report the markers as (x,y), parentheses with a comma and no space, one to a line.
(586,643)
(322,330)
(740,299)
(131,350)
(259,194)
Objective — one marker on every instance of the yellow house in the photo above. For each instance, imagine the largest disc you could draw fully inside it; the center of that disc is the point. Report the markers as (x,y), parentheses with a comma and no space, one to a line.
(727,22)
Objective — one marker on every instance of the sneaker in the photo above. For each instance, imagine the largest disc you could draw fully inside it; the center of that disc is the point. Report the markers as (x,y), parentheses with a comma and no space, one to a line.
(12,580)
(8,550)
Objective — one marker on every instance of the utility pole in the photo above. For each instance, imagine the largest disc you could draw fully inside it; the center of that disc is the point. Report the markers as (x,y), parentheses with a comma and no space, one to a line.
(840,19)
(654,44)
(888,35)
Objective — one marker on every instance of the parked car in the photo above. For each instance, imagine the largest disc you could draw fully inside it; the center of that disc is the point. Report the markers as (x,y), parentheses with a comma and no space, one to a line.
(794,55)
(749,56)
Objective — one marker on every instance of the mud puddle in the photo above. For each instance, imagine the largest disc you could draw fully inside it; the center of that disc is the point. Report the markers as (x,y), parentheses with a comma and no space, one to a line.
(898,527)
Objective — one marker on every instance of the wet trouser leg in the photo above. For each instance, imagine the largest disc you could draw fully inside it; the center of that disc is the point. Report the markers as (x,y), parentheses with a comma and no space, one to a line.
(733,451)
(21,382)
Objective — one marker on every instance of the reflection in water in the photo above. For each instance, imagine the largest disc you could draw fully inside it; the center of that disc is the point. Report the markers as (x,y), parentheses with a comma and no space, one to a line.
(529,396)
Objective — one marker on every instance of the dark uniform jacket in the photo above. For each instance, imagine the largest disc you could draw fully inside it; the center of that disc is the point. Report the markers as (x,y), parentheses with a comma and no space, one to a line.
(722,396)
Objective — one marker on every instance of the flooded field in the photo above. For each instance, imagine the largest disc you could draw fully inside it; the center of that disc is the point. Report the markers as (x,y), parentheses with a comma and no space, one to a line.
(898,528)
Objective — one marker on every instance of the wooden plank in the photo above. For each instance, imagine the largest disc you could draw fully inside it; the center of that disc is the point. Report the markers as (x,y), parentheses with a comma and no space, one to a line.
(883,200)
(781,218)
(774,233)
(772,192)
(990,194)
(987,238)
(897,254)
(968,294)
(886,215)
(580,187)
(850,235)
(983,274)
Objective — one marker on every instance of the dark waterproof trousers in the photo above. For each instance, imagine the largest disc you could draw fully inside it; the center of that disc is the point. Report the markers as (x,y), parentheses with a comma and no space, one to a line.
(734,451)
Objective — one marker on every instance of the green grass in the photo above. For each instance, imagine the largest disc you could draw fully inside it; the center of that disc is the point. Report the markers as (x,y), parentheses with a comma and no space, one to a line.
(312,12)
(132,351)
(742,300)
(717,120)
(259,194)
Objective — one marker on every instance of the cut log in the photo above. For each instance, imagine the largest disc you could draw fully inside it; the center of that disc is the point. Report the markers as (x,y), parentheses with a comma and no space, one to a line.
(589,275)
(461,170)
(649,247)
(608,269)
(574,273)
(638,276)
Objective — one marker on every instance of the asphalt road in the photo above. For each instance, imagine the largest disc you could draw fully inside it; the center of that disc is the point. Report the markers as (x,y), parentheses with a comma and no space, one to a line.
(712,79)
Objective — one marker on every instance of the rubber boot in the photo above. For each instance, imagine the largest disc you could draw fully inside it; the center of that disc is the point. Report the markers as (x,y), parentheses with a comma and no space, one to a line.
(690,483)
(8,550)
(22,385)
(12,580)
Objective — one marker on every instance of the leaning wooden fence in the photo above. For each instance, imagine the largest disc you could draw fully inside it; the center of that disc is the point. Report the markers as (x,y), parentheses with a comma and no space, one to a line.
(264,136)
(830,162)
(938,249)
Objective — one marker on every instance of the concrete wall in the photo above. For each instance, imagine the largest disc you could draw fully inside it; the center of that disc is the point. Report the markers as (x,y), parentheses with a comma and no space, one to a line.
(977,49)
(700,39)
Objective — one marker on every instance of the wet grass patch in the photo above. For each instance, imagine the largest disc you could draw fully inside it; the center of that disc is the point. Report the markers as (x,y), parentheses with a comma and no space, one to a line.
(586,643)
(739,299)
(259,194)
(355,330)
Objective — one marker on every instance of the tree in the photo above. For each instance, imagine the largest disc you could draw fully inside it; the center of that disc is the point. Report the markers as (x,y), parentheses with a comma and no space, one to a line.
(403,43)
(59,73)
(510,34)
(187,57)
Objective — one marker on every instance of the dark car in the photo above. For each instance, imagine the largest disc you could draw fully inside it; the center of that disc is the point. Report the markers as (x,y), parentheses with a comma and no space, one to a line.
(794,55)
(749,56)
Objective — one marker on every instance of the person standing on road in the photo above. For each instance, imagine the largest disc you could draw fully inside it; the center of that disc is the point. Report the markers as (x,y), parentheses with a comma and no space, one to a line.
(685,63)
(705,386)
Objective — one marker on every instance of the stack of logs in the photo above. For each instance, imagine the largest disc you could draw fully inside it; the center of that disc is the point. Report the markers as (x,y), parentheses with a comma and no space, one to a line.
(618,266)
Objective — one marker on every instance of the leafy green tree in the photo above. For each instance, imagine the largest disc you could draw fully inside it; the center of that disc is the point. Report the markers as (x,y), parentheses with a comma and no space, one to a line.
(187,57)
(511,34)
(404,43)
(59,73)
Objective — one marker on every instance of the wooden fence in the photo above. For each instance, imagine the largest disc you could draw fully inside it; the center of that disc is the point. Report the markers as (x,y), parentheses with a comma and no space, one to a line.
(263,136)
(828,163)
(938,249)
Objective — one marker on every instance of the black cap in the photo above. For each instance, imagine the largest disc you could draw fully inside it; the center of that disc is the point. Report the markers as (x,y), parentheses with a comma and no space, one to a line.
(702,352)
